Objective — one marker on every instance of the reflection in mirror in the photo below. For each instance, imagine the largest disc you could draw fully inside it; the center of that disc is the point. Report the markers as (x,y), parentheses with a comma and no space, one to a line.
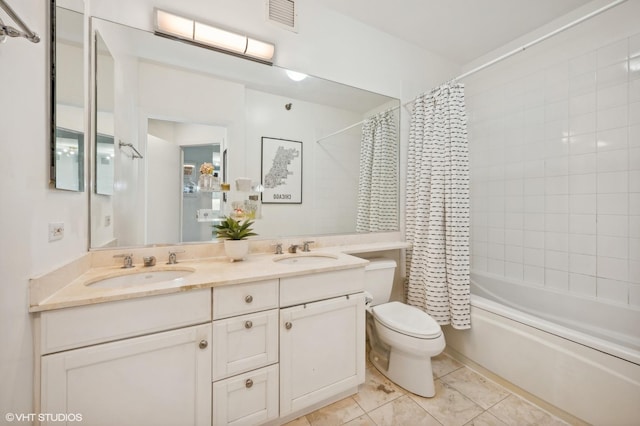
(167,90)
(104,149)
(67,152)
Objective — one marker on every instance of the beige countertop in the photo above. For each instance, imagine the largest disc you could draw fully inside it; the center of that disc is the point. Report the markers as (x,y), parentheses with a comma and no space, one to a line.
(204,273)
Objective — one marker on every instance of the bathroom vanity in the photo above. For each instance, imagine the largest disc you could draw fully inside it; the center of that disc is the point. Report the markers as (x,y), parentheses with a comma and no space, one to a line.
(265,342)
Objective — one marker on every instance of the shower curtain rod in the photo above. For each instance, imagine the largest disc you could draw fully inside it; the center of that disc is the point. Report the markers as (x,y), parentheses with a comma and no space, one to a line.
(6,30)
(350,127)
(530,44)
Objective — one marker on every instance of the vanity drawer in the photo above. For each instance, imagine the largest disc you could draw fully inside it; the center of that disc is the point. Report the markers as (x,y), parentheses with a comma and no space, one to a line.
(247,399)
(244,343)
(324,285)
(68,328)
(239,299)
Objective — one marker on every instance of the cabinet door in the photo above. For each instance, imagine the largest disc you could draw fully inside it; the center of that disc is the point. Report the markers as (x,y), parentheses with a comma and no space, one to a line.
(321,350)
(159,379)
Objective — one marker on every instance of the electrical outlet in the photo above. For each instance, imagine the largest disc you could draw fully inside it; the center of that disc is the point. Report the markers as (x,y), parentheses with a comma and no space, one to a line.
(56,231)
(107,220)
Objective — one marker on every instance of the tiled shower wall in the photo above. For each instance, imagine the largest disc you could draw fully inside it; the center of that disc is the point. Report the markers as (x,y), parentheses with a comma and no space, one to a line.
(555,174)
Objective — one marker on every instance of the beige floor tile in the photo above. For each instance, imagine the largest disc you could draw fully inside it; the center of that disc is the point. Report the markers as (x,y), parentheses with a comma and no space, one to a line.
(443,364)
(402,411)
(486,419)
(337,413)
(361,421)
(516,411)
(300,421)
(477,388)
(376,390)
(448,406)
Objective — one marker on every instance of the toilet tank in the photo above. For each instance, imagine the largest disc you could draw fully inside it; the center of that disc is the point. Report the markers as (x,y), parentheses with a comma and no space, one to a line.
(378,279)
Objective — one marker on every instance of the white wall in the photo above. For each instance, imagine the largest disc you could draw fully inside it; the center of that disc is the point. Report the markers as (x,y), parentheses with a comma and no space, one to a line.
(555,161)
(383,64)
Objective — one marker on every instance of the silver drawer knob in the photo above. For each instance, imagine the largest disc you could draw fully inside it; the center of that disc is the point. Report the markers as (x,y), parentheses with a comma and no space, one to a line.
(248,383)
(248,324)
(288,325)
(203,344)
(248,299)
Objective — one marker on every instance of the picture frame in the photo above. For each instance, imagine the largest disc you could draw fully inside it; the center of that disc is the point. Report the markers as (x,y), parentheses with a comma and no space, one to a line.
(281,171)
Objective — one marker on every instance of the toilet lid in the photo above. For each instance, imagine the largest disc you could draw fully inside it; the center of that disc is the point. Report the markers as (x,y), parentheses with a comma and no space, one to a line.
(407,320)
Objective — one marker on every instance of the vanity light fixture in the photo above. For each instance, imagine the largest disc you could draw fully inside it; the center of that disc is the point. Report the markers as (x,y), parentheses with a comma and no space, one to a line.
(296,76)
(178,27)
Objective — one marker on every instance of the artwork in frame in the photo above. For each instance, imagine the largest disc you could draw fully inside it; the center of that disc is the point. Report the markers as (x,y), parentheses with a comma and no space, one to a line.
(281,171)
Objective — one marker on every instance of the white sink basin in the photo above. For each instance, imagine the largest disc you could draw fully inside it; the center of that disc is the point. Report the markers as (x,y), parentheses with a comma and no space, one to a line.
(306,259)
(141,277)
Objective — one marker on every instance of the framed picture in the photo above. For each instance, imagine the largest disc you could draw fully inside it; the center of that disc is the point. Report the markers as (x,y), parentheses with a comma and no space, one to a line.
(281,171)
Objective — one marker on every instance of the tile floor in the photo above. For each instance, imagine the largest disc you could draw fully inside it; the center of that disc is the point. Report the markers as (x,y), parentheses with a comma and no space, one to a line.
(463,397)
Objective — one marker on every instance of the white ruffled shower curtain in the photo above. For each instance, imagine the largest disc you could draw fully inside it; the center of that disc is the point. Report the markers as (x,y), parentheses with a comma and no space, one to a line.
(437,207)
(378,179)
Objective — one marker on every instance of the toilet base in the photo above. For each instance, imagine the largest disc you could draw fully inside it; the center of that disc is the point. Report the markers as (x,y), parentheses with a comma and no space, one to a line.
(411,373)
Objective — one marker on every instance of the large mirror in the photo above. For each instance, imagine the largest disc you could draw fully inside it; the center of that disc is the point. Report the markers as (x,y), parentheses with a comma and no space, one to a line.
(67,106)
(176,107)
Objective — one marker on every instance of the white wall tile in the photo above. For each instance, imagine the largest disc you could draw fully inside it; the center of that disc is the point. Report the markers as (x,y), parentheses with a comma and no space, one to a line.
(555,279)
(613,225)
(634,113)
(513,204)
(634,85)
(612,161)
(514,221)
(580,164)
(584,123)
(634,295)
(556,185)
(613,139)
(582,264)
(583,224)
(583,104)
(582,83)
(583,203)
(634,271)
(496,235)
(612,118)
(480,249)
(556,222)
(634,226)
(533,203)
(534,221)
(514,270)
(582,184)
(535,168)
(582,144)
(557,166)
(496,218)
(557,260)
(612,96)
(557,147)
(612,53)
(556,204)
(479,263)
(613,182)
(534,186)
(612,268)
(513,237)
(495,266)
(634,46)
(582,284)
(634,159)
(513,254)
(583,244)
(558,241)
(634,203)
(611,75)
(617,291)
(534,274)
(634,136)
(582,64)
(634,249)
(613,204)
(614,247)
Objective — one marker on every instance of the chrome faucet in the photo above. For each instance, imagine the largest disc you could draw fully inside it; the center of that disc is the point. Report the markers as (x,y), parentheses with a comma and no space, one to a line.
(278,247)
(305,245)
(128,260)
(293,248)
(173,258)
(149,260)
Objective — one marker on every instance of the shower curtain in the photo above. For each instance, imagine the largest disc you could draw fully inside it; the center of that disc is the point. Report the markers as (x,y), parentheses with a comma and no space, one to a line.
(378,179)
(437,207)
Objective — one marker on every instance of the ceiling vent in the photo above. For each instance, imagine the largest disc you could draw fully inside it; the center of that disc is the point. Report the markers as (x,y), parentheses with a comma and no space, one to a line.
(283,13)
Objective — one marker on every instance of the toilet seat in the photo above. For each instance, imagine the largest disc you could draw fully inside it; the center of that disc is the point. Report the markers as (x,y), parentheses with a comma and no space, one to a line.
(407,320)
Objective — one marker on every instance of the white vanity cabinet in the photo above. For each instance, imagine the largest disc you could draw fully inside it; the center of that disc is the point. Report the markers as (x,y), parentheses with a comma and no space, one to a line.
(245,353)
(110,377)
(322,343)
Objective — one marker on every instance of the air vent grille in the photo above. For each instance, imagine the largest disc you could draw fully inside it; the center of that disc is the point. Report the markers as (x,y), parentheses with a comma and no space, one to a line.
(283,13)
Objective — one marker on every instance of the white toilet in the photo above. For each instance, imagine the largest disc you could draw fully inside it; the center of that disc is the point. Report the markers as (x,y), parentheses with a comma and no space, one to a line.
(403,338)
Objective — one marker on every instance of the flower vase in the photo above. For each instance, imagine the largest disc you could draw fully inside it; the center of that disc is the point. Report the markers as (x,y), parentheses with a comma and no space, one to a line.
(205,183)
(236,249)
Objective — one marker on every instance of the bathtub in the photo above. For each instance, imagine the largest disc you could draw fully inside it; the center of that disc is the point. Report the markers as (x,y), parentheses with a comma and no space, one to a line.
(575,353)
